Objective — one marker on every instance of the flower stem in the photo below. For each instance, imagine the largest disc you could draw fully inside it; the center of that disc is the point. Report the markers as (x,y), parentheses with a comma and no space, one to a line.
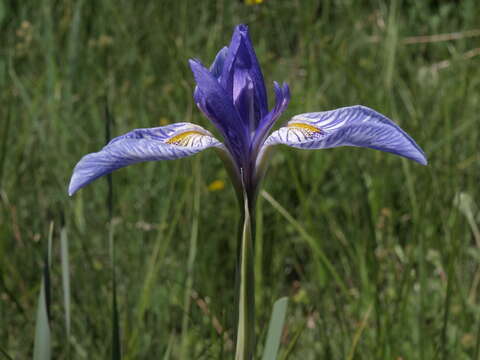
(246,312)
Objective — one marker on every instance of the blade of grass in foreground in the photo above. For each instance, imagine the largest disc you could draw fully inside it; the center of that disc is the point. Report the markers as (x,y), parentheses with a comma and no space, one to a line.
(42,347)
(66,283)
(116,348)
(275,329)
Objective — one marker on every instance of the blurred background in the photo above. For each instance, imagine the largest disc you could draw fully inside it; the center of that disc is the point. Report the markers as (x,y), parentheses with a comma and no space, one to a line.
(379,256)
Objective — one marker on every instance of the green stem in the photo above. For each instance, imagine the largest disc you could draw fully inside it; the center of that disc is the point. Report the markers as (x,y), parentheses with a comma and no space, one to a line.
(246,309)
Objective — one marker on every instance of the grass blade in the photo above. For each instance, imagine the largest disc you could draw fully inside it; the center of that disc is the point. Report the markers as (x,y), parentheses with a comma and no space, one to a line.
(42,346)
(359,333)
(168,352)
(116,347)
(275,328)
(4,353)
(306,236)
(66,283)
(191,260)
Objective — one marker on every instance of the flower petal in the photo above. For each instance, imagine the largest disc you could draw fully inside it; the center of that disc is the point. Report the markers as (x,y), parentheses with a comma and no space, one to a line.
(217,66)
(243,79)
(282,98)
(215,69)
(162,143)
(214,102)
(348,126)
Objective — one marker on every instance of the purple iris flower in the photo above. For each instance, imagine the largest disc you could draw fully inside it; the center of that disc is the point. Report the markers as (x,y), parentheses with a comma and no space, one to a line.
(232,94)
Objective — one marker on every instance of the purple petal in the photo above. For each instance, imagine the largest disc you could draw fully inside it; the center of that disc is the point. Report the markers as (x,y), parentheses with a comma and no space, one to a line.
(212,99)
(282,98)
(241,68)
(217,66)
(215,69)
(348,126)
(161,143)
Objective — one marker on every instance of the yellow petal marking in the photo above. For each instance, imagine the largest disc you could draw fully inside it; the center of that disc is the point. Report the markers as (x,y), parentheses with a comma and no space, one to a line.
(184,139)
(304,126)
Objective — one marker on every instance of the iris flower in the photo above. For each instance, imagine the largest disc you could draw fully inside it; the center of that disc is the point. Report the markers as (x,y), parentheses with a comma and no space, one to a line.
(232,95)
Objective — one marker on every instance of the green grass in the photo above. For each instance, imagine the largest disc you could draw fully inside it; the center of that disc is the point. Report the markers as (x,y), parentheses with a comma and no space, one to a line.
(405,254)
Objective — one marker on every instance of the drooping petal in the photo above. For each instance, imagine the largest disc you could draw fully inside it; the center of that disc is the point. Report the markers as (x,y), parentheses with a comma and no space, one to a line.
(243,79)
(214,102)
(162,143)
(348,126)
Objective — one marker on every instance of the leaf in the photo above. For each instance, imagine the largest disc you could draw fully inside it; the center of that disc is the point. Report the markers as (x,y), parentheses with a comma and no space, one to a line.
(65,281)
(4,353)
(168,352)
(275,328)
(42,346)
(192,251)
(116,347)
(317,250)
(359,332)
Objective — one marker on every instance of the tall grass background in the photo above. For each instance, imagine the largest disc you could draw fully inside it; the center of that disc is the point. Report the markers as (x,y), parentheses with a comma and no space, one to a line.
(378,256)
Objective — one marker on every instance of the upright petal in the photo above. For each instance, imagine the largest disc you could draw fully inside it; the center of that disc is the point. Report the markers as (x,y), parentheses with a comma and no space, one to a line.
(161,143)
(213,100)
(217,66)
(282,98)
(348,126)
(241,71)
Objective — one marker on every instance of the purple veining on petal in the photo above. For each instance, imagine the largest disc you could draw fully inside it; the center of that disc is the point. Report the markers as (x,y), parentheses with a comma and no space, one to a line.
(282,99)
(142,145)
(349,126)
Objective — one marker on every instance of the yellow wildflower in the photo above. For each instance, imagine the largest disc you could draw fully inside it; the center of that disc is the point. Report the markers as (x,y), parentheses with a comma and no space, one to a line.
(216,185)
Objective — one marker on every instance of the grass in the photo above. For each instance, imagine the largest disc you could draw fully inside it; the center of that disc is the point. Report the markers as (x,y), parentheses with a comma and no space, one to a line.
(393,232)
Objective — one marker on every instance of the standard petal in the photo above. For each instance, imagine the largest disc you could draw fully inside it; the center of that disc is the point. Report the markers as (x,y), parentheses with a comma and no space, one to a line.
(213,100)
(348,126)
(161,143)
(241,68)
(217,66)
(215,69)
(282,98)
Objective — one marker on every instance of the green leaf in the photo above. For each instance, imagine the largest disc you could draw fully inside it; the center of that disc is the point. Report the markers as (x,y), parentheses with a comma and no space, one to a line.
(3,11)
(192,252)
(116,347)
(42,346)
(317,249)
(65,281)
(275,328)
(5,354)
